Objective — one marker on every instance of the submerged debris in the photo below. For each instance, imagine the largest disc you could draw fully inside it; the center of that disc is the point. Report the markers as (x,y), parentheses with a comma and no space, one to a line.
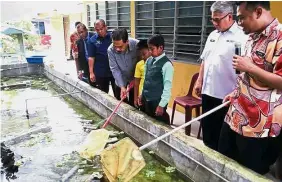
(38,138)
(8,162)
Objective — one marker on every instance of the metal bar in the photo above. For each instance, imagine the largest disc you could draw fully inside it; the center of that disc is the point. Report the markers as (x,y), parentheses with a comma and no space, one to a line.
(175,28)
(187,44)
(164,26)
(145,18)
(153,18)
(189,26)
(161,18)
(144,4)
(143,12)
(203,27)
(117,13)
(183,35)
(190,7)
(194,16)
(167,9)
(187,53)
(124,7)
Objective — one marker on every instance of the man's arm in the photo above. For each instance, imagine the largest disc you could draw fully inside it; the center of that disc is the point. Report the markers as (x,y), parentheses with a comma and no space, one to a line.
(79,65)
(270,79)
(91,48)
(201,73)
(167,71)
(115,69)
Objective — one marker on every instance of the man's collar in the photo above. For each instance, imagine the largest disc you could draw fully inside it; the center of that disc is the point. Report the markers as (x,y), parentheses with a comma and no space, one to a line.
(160,56)
(107,35)
(233,28)
(267,31)
(130,46)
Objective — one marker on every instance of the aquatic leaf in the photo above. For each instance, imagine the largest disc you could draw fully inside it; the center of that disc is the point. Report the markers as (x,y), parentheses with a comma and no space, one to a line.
(97,175)
(150,174)
(169,169)
(59,164)
(80,171)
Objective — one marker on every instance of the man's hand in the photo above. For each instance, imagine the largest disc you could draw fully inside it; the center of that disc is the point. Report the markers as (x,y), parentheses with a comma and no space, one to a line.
(243,64)
(139,101)
(136,101)
(198,88)
(80,75)
(92,77)
(230,97)
(159,111)
(123,92)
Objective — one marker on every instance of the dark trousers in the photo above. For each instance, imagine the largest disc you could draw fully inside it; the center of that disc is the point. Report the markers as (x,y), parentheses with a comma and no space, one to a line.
(257,154)
(129,100)
(149,107)
(87,75)
(211,124)
(103,83)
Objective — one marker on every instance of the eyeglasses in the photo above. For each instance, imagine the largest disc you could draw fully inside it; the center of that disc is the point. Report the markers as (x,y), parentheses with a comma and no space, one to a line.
(217,20)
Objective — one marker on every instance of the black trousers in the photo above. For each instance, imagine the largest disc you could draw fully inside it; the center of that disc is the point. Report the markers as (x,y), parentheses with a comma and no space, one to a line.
(103,83)
(149,107)
(130,99)
(211,124)
(87,75)
(257,154)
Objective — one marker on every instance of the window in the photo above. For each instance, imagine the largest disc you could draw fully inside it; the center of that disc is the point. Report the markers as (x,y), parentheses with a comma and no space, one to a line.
(115,13)
(39,27)
(183,25)
(91,16)
(111,15)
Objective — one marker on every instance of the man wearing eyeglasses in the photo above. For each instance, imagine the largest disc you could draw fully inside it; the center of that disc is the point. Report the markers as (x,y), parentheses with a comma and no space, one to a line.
(217,77)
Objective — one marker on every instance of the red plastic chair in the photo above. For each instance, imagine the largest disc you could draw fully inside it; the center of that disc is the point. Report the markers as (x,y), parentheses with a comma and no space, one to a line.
(189,103)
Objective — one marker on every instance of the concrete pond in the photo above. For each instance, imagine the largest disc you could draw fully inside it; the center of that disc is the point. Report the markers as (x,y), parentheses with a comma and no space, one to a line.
(49,139)
(40,137)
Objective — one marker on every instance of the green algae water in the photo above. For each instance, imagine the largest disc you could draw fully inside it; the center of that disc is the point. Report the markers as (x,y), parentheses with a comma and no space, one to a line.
(49,156)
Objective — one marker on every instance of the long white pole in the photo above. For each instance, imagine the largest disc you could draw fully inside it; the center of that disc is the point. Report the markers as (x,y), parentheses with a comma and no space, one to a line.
(183,126)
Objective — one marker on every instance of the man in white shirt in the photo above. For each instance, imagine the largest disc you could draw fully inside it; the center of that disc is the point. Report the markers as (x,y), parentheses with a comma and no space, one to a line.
(217,77)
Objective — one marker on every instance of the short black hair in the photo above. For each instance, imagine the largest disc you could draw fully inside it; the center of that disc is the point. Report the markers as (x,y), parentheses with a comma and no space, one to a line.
(157,40)
(252,5)
(100,21)
(120,34)
(142,44)
(76,23)
(81,25)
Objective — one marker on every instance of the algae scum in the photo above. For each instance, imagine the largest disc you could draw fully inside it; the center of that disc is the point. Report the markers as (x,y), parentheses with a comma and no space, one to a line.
(48,153)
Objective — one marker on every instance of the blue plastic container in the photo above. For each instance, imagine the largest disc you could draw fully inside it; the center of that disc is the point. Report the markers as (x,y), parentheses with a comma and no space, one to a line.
(35,59)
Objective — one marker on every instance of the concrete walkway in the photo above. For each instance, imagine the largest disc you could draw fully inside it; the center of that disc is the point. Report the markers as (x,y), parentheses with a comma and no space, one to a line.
(68,67)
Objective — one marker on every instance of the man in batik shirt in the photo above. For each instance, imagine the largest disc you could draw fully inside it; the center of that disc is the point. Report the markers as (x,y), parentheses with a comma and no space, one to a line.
(251,132)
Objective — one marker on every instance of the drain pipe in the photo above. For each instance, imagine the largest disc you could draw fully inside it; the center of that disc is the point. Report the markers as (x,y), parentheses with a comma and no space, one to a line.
(168,144)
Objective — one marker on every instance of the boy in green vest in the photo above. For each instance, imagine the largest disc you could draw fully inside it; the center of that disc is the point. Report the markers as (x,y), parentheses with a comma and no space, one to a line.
(158,81)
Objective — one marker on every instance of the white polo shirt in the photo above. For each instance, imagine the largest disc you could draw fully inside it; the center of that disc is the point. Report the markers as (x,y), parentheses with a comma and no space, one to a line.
(219,75)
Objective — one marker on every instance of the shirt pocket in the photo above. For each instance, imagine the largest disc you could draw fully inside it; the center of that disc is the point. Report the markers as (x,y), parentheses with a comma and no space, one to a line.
(227,49)
(209,47)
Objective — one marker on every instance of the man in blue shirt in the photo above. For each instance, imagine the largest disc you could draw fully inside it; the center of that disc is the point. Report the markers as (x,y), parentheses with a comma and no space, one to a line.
(84,35)
(98,58)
